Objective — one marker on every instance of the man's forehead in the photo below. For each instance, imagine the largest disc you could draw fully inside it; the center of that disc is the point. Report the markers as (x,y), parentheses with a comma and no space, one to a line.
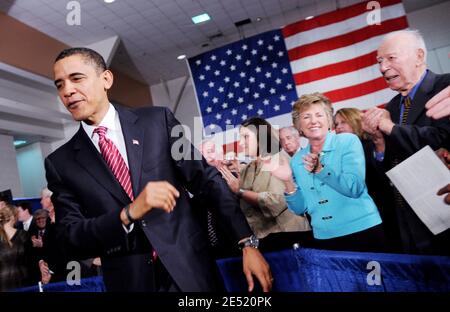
(74,63)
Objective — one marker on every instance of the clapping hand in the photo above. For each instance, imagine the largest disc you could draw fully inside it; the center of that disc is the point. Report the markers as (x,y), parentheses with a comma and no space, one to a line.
(312,163)
(232,181)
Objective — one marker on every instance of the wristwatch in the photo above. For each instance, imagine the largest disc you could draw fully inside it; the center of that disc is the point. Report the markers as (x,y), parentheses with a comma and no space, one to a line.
(240,193)
(252,241)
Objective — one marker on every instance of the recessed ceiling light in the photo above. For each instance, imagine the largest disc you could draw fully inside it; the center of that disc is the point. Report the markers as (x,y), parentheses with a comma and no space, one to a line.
(201,18)
(19,142)
(309,17)
(258,19)
(181,57)
(109,1)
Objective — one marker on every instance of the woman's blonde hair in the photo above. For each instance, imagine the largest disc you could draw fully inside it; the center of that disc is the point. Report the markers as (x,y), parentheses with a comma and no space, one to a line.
(353,117)
(306,101)
(7,212)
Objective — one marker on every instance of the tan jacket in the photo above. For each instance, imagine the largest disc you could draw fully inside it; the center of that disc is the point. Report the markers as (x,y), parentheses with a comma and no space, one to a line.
(271,215)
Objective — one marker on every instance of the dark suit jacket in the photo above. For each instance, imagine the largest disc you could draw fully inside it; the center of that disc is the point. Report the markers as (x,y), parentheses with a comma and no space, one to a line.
(88,200)
(404,141)
(33,226)
(419,130)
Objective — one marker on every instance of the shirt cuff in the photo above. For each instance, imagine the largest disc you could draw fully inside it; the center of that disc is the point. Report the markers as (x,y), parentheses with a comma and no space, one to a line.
(129,228)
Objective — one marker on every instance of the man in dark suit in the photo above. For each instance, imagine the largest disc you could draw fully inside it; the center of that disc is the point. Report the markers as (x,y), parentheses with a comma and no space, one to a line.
(25,217)
(132,209)
(407,128)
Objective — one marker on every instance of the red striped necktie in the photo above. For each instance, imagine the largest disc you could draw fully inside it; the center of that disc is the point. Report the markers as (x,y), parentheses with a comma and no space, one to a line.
(115,161)
(118,166)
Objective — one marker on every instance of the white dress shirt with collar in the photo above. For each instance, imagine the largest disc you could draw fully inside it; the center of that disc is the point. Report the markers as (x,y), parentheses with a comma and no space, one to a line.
(114,133)
(26,224)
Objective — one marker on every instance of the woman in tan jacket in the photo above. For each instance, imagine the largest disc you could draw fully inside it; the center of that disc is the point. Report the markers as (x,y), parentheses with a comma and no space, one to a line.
(261,194)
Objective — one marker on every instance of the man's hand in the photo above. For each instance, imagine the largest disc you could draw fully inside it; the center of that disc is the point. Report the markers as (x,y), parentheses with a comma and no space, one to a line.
(386,124)
(370,120)
(37,241)
(161,195)
(255,264)
(439,105)
(45,272)
(377,119)
(445,190)
(444,156)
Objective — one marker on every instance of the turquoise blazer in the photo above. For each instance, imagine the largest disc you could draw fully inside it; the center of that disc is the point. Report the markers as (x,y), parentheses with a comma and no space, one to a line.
(336,198)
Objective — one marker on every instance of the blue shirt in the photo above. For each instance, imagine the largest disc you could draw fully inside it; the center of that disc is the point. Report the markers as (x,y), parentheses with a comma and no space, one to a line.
(411,95)
(336,198)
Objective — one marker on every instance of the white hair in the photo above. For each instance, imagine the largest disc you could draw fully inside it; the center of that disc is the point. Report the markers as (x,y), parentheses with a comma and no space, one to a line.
(414,33)
(292,129)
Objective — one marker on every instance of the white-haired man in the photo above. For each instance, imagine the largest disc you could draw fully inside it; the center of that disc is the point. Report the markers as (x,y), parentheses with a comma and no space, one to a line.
(290,140)
(402,62)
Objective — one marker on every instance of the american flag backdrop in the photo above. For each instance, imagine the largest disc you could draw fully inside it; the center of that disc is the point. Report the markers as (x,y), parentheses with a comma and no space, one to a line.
(333,53)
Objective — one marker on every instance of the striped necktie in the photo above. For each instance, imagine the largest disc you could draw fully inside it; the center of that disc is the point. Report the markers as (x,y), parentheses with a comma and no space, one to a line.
(118,166)
(407,106)
(115,161)
(400,203)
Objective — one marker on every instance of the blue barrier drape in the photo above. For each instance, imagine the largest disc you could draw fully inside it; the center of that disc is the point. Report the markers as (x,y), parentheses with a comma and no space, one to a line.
(311,270)
(91,284)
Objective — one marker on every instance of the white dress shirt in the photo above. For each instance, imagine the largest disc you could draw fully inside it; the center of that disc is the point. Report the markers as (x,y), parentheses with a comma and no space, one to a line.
(114,133)
(26,224)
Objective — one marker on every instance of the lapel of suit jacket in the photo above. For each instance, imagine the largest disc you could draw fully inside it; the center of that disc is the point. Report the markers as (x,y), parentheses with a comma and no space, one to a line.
(133,135)
(90,159)
(420,98)
(394,108)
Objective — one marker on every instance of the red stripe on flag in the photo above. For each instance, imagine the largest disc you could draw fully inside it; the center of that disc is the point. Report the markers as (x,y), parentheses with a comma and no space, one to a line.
(356,90)
(347,39)
(231,147)
(333,17)
(347,66)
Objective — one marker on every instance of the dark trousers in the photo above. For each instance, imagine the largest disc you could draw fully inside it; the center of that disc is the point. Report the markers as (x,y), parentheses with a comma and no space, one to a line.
(369,240)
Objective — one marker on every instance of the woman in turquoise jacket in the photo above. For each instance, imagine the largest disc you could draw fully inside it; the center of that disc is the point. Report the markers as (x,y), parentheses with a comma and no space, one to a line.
(327,181)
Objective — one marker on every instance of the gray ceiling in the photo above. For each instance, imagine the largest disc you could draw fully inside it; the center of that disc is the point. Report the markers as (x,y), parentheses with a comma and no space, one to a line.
(154,32)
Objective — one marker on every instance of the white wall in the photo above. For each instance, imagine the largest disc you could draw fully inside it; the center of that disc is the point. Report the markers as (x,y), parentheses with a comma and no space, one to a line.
(434,24)
(30,162)
(9,173)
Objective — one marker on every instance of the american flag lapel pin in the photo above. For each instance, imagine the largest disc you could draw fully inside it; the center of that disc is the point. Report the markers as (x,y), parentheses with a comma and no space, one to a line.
(135,142)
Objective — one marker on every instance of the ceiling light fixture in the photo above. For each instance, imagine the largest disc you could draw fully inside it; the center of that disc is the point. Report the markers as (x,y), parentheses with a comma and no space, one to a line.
(109,1)
(309,17)
(19,142)
(201,18)
(181,57)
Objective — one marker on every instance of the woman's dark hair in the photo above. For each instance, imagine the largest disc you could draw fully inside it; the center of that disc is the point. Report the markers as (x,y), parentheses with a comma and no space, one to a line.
(267,139)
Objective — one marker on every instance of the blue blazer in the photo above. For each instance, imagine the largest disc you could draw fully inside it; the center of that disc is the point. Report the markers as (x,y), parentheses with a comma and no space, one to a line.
(336,198)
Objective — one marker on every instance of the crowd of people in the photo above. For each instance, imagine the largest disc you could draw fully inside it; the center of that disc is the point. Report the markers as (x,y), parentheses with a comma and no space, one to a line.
(130,205)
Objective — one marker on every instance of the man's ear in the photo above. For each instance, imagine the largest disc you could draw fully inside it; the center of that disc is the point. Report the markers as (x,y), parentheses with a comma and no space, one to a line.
(108,79)
(420,56)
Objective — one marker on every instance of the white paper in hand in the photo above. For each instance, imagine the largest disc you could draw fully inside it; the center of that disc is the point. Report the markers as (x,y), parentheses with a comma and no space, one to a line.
(418,178)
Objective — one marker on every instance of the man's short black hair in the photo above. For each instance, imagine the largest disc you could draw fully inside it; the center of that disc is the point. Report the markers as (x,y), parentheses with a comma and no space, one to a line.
(89,55)
(25,206)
